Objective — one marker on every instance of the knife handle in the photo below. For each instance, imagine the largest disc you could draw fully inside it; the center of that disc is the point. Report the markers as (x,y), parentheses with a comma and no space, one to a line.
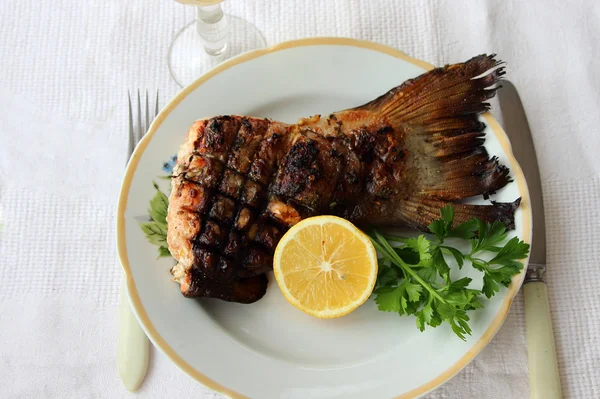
(133,348)
(544,379)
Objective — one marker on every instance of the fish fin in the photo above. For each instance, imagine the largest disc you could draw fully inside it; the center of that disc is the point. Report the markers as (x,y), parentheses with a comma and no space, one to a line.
(420,213)
(441,96)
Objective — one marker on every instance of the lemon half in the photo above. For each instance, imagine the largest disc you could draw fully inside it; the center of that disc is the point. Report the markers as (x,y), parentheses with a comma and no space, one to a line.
(325,266)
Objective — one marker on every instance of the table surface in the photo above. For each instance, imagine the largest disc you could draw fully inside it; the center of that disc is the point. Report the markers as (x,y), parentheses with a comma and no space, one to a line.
(66,67)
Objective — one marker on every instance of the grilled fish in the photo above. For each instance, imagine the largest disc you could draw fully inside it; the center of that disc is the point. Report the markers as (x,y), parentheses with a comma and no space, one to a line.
(241,182)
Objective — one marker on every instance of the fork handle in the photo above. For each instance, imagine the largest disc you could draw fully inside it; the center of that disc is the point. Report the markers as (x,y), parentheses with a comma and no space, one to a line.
(133,348)
(544,379)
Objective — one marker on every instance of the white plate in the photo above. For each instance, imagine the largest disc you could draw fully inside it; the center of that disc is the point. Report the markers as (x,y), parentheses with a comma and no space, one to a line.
(270,349)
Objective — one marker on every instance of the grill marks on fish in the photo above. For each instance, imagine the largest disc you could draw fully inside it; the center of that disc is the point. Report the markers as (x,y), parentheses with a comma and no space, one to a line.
(241,182)
(220,185)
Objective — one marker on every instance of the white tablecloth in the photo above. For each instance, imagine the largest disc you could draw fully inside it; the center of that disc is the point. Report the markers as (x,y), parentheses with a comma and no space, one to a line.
(65,69)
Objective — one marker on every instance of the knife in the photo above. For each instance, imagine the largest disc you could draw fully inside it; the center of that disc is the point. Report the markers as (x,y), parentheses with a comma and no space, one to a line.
(544,379)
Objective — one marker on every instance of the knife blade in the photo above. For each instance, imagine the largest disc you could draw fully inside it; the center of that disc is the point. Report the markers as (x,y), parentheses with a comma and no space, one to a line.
(517,129)
(544,379)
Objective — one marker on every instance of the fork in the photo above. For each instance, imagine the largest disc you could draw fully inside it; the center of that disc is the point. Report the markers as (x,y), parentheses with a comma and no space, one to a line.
(133,347)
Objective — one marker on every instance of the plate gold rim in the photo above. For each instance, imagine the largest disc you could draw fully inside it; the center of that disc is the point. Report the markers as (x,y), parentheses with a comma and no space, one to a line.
(339,41)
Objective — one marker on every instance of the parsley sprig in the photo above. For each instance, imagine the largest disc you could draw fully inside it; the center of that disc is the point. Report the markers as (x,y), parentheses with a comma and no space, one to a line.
(156,229)
(414,276)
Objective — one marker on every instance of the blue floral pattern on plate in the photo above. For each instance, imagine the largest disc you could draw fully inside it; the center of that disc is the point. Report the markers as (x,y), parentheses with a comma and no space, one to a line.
(170,164)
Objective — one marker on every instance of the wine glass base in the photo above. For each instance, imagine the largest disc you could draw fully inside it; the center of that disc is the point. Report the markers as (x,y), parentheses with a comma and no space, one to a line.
(188,59)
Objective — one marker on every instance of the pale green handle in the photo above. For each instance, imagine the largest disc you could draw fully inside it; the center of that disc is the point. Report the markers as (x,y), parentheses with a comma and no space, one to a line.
(133,348)
(544,379)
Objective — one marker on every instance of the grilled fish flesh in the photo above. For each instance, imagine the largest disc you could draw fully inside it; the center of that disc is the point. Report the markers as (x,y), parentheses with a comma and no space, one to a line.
(241,182)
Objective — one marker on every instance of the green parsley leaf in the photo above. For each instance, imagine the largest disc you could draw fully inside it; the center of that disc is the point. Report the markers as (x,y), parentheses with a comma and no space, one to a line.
(489,236)
(427,313)
(464,230)
(447,213)
(513,249)
(403,304)
(445,310)
(438,228)
(408,255)
(420,245)
(436,319)
(460,258)
(428,273)
(490,287)
(442,226)
(506,257)
(479,264)
(461,326)
(460,284)
(388,298)
(420,322)
(387,276)
(413,291)
(441,265)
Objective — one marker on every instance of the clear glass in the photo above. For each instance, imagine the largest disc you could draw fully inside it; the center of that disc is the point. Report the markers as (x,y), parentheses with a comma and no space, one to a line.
(209,40)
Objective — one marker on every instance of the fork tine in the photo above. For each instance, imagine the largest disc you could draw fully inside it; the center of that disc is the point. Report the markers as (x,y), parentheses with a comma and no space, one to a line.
(147,115)
(156,105)
(137,131)
(140,133)
(131,139)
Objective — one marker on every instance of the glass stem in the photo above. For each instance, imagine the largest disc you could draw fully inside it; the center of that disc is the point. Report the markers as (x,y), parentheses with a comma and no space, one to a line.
(213,28)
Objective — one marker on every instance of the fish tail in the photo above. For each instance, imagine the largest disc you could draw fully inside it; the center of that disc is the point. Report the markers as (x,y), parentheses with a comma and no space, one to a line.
(438,115)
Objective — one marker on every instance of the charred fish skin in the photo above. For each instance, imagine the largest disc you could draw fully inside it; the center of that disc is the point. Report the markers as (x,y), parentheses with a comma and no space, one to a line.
(241,182)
